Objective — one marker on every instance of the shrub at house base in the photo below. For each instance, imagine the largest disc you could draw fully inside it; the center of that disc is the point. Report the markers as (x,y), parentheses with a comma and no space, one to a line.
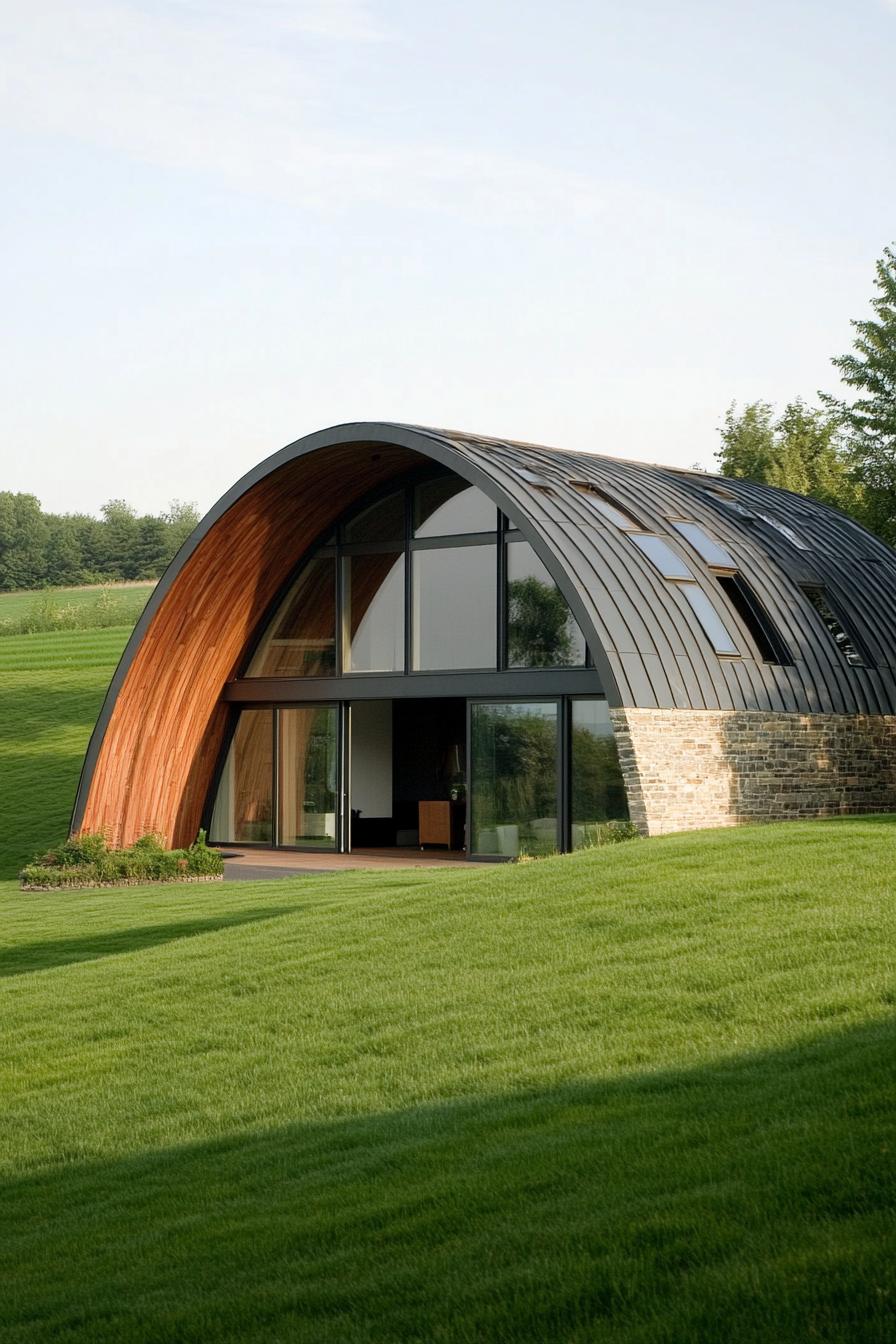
(87,861)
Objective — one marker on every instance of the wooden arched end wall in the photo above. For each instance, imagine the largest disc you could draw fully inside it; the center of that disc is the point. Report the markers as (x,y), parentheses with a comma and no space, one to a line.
(150,763)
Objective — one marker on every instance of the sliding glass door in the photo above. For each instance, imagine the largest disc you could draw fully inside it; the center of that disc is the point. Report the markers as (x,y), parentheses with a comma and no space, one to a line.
(514,778)
(544,776)
(281,779)
(244,805)
(308,777)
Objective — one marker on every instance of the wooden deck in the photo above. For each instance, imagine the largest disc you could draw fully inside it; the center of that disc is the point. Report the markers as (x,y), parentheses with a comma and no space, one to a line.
(258,865)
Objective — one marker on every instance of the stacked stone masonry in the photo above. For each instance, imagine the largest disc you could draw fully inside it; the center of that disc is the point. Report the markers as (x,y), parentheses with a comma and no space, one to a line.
(686,769)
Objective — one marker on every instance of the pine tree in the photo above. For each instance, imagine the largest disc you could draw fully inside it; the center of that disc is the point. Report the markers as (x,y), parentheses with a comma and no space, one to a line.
(870,419)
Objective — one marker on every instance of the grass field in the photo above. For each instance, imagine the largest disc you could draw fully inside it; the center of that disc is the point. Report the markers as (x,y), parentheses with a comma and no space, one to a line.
(51,689)
(13,606)
(643,1095)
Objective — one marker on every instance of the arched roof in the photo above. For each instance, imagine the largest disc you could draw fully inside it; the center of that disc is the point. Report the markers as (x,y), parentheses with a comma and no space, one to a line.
(153,751)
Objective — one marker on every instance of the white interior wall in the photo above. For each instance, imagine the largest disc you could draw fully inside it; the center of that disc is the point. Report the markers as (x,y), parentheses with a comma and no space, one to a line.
(371,758)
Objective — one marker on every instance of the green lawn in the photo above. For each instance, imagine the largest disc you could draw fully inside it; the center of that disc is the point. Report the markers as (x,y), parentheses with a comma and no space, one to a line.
(51,689)
(644,1094)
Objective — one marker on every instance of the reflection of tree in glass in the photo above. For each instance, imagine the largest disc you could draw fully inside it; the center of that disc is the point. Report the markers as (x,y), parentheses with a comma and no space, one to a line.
(598,793)
(514,768)
(538,620)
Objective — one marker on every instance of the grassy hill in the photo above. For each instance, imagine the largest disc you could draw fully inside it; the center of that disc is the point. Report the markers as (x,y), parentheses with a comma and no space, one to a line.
(52,684)
(643,1095)
(51,689)
(639,1095)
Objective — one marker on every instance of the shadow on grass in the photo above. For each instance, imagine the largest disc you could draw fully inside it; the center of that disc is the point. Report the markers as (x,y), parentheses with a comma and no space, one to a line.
(24,958)
(746,1200)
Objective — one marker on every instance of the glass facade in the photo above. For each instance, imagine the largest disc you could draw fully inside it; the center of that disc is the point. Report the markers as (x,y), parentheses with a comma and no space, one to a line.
(447,506)
(307,797)
(383,522)
(459,592)
(541,629)
(514,798)
(373,601)
(301,639)
(519,803)
(364,622)
(455,608)
(597,793)
(243,812)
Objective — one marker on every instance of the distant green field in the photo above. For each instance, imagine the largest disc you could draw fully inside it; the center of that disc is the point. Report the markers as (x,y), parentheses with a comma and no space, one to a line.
(88,607)
(51,689)
(15,604)
(643,1095)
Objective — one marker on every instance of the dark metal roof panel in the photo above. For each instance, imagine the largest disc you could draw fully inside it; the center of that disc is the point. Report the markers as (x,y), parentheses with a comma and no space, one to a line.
(650,635)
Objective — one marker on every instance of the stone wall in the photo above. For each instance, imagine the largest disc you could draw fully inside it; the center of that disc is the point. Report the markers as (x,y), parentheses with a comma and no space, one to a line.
(684,769)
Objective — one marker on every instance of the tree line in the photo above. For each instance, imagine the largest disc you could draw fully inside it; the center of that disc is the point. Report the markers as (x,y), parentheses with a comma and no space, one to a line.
(842,452)
(49,550)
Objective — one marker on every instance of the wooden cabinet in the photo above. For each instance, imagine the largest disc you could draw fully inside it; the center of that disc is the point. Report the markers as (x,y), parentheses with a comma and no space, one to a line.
(441,823)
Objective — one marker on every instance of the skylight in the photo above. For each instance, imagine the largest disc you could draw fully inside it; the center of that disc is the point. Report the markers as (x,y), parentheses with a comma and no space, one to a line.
(670,565)
(612,512)
(532,478)
(793,537)
(709,618)
(711,551)
(845,641)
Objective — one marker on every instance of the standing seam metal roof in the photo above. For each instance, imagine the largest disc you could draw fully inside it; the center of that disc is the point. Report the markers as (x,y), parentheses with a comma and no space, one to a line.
(652,641)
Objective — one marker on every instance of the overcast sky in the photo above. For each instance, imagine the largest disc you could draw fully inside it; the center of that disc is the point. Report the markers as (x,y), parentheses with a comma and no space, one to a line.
(227,223)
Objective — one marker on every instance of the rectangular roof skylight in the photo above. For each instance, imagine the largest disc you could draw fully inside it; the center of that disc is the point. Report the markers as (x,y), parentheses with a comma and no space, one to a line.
(793,537)
(610,511)
(709,618)
(662,556)
(712,551)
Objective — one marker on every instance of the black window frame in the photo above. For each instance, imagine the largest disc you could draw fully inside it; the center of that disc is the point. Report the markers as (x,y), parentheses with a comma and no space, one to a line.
(819,598)
(331,543)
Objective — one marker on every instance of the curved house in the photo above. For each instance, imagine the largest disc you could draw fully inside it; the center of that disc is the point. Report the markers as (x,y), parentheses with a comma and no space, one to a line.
(390,635)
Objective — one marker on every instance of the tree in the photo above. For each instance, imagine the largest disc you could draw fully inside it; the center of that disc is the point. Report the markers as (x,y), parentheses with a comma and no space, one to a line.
(119,552)
(150,551)
(180,518)
(801,450)
(538,618)
(23,541)
(870,419)
(64,554)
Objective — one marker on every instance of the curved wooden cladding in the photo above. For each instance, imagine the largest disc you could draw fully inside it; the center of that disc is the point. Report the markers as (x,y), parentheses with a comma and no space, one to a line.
(163,738)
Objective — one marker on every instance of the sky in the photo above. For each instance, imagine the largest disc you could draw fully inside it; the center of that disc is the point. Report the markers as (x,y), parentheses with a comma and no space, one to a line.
(228,223)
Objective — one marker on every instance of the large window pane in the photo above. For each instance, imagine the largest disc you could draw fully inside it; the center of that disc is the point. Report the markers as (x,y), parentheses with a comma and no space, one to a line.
(244,805)
(373,594)
(541,629)
(301,639)
(455,608)
(597,793)
(447,506)
(382,522)
(308,777)
(514,803)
